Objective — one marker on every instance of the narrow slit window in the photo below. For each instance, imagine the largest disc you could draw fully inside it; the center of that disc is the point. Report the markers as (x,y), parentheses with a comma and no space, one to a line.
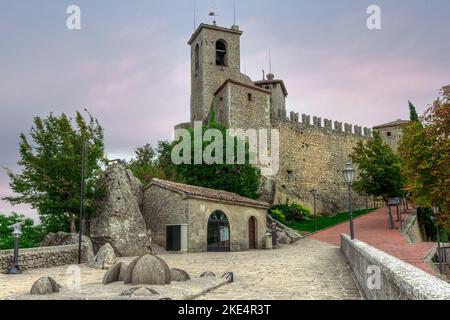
(197,57)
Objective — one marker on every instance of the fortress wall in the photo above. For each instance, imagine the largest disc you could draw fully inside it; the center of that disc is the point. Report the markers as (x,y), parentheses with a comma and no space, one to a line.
(313,156)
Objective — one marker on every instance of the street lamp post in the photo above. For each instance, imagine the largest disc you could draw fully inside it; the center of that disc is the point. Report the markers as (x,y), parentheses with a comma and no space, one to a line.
(15,269)
(349,173)
(436,212)
(80,235)
(314,193)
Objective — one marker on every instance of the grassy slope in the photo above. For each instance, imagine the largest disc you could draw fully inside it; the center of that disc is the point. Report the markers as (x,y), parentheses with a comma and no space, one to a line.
(325,222)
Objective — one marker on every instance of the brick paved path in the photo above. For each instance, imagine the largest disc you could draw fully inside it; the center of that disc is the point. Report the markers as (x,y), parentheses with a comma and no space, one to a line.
(373,229)
(309,269)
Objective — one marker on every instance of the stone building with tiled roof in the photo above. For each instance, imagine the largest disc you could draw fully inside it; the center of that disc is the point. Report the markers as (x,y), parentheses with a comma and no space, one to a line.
(193,219)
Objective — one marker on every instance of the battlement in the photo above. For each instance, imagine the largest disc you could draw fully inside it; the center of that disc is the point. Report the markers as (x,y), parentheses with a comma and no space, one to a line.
(327,124)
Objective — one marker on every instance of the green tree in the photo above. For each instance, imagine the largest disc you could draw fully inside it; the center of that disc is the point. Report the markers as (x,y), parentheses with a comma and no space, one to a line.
(425,150)
(150,163)
(412,112)
(143,166)
(31,237)
(242,179)
(50,177)
(379,169)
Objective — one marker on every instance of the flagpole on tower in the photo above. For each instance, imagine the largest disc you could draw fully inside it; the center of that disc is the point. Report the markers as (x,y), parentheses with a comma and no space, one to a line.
(213,13)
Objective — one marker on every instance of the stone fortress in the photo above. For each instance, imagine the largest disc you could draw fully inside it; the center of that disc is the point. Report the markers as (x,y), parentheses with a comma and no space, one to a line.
(312,155)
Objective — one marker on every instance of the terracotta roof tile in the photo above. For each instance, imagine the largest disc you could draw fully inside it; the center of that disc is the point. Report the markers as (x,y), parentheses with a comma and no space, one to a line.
(396,123)
(205,193)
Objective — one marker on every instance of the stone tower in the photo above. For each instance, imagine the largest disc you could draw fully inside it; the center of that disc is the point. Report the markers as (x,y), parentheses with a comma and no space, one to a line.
(278,94)
(215,58)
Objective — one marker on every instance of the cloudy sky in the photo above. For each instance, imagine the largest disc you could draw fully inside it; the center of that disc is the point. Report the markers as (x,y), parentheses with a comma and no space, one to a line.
(129,63)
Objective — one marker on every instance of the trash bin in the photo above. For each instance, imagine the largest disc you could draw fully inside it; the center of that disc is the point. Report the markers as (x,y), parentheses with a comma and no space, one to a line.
(269,241)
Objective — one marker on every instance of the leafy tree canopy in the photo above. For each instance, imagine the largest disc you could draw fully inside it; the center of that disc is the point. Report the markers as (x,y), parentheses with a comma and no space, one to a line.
(50,177)
(379,170)
(152,163)
(412,112)
(425,151)
(242,179)
(31,237)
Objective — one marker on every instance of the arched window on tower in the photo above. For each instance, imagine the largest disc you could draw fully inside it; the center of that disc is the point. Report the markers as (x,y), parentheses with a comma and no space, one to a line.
(197,57)
(221,53)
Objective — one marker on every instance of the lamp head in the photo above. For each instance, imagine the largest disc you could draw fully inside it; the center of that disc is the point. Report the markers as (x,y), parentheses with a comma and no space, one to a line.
(17,230)
(349,173)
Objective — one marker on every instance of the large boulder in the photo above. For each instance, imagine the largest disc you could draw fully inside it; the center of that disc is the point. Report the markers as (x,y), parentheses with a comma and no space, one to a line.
(45,285)
(63,238)
(147,269)
(104,259)
(119,220)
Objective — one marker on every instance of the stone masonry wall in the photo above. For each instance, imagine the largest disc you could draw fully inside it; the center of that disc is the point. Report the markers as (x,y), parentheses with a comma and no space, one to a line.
(313,156)
(391,136)
(162,207)
(398,280)
(412,229)
(42,257)
(238,218)
(242,107)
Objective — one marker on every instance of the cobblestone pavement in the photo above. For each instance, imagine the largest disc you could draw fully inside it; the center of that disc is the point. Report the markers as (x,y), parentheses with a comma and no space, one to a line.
(307,270)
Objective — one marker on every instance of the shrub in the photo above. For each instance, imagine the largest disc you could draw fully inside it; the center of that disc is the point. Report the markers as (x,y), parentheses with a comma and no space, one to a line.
(293,212)
(31,237)
(277,214)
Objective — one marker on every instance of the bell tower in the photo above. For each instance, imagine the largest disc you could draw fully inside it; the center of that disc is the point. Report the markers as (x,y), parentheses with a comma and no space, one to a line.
(215,58)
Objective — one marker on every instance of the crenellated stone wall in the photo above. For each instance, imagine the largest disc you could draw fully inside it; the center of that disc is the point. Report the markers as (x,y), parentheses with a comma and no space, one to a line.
(312,156)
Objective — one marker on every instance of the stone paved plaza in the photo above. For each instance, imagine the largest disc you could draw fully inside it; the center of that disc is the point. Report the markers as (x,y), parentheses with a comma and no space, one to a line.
(309,269)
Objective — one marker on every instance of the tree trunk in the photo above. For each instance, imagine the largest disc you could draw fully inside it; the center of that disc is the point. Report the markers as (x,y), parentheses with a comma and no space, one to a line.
(73,228)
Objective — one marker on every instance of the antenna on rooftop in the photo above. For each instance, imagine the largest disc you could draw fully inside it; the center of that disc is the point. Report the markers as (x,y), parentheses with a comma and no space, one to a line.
(195,15)
(270,75)
(213,13)
(270,62)
(234,12)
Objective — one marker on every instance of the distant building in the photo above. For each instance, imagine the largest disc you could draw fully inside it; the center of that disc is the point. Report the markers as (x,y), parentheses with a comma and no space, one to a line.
(391,132)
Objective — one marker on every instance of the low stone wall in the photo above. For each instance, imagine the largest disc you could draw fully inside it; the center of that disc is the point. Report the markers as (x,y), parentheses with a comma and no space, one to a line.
(412,228)
(42,257)
(397,279)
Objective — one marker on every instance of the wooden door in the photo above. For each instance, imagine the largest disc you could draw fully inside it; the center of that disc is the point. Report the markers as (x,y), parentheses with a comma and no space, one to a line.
(252,233)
